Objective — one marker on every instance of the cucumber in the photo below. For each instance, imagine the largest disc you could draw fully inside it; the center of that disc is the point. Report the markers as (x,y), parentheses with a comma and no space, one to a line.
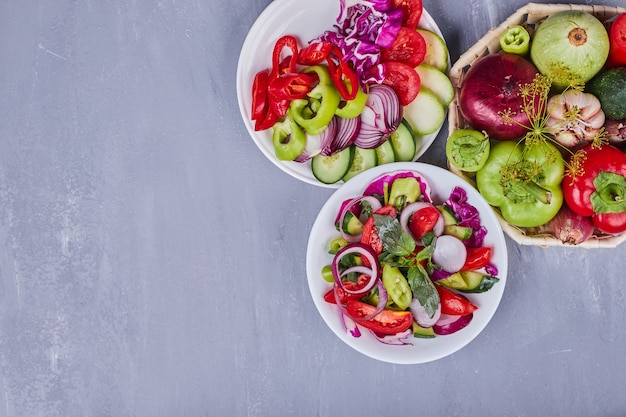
(461,232)
(437,82)
(352,225)
(403,142)
(362,159)
(449,218)
(454,281)
(330,169)
(436,50)
(425,114)
(610,88)
(385,154)
(423,332)
(477,282)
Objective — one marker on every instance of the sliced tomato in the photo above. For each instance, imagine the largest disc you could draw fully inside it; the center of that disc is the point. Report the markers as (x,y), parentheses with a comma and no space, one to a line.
(409,47)
(385,322)
(477,258)
(404,80)
(350,286)
(369,236)
(453,303)
(423,221)
(411,11)
(387,210)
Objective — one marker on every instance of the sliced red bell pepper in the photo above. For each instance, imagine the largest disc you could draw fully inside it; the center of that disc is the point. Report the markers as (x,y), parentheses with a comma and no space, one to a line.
(453,303)
(291,86)
(477,258)
(315,53)
(259,94)
(342,74)
(595,185)
(289,63)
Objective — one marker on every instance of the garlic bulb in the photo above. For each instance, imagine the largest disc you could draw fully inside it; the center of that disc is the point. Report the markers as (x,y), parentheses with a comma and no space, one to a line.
(575,118)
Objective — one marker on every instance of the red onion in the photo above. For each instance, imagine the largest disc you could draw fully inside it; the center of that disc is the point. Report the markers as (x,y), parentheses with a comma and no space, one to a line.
(350,207)
(448,324)
(571,228)
(615,131)
(420,315)
(312,148)
(380,117)
(402,338)
(339,134)
(492,87)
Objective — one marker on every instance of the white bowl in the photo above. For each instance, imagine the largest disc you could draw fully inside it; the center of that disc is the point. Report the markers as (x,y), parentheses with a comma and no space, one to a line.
(442,183)
(306,20)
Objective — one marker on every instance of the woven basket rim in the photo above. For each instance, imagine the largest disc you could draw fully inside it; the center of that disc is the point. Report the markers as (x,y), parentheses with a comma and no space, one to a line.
(528,16)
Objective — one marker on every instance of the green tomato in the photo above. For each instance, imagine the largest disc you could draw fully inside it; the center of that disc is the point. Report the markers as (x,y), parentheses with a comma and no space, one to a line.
(467,149)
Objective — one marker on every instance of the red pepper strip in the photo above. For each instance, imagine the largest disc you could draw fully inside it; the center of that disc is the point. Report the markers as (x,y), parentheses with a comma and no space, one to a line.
(268,119)
(314,53)
(259,94)
(289,63)
(292,86)
(339,71)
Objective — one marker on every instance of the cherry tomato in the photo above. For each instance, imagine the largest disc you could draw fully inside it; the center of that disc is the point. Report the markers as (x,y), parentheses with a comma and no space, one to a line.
(387,210)
(453,303)
(349,285)
(477,258)
(617,38)
(404,80)
(409,47)
(385,322)
(411,11)
(423,221)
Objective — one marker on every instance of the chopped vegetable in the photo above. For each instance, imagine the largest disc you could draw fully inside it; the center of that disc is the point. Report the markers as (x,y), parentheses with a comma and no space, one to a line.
(515,40)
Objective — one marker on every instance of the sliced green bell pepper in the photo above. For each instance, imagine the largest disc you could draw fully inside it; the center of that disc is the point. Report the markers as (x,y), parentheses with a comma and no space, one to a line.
(524,182)
(515,40)
(316,111)
(288,138)
(349,109)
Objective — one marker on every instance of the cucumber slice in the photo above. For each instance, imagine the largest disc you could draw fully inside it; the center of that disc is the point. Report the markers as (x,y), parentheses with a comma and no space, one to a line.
(449,218)
(477,282)
(437,82)
(352,225)
(460,232)
(454,281)
(330,169)
(423,332)
(403,142)
(436,50)
(362,159)
(425,114)
(385,154)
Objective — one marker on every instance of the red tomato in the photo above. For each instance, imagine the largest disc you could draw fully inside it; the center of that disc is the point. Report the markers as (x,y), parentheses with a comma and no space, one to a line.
(423,221)
(404,80)
(409,48)
(387,210)
(370,237)
(453,303)
(477,258)
(351,286)
(385,322)
(411,11)
(617,37)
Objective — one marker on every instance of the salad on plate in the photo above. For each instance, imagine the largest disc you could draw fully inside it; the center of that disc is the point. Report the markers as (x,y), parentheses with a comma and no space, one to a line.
(368,90)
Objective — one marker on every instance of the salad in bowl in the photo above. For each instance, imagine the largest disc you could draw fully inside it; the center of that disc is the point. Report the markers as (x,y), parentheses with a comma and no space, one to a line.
(406,263)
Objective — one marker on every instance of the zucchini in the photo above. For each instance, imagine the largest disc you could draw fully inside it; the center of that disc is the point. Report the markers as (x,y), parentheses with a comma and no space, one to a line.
(425,114)
(330,169)
(403,142)
(436,50)
(384,153)
(362,159)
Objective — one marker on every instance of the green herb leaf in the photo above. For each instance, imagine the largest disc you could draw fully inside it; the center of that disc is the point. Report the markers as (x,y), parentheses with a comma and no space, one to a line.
(395,240)
(423,289)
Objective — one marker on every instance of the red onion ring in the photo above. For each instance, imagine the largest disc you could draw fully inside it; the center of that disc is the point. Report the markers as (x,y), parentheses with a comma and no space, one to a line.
(373,202)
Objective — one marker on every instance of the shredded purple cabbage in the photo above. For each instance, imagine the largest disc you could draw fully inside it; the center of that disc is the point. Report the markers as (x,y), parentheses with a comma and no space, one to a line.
(467,216)
(377,186)
(362,29)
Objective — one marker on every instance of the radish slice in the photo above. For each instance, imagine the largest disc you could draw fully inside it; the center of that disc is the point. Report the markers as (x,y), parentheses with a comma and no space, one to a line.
(450,253)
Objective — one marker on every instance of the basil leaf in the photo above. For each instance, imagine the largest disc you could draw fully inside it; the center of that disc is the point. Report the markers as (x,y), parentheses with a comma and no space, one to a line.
(423,289)
(395,240)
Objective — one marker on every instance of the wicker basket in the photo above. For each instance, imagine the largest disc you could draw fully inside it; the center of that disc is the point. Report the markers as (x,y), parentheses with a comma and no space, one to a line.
(528,16)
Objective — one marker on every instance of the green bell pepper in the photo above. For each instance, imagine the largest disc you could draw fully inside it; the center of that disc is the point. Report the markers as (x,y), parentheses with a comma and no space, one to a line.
(349,109)
(515,40)
(288,138)
(524,182)
(316,111)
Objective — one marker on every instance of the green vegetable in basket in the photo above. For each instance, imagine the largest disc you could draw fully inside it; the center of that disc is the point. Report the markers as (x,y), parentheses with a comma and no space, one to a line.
(515,40)
(467,149)
(523,181)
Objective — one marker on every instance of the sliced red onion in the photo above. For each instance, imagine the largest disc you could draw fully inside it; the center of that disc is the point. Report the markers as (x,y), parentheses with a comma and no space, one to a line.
(383,297)
(312,148)
(448,324)
(349,207)
(450,253)
(380,118)
(361,270)
(402,338)
(344,132)
(365,252)
(421,316)
(349,325)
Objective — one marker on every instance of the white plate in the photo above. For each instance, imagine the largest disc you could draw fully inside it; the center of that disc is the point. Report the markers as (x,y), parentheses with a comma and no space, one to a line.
(423,350)
(306,20)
